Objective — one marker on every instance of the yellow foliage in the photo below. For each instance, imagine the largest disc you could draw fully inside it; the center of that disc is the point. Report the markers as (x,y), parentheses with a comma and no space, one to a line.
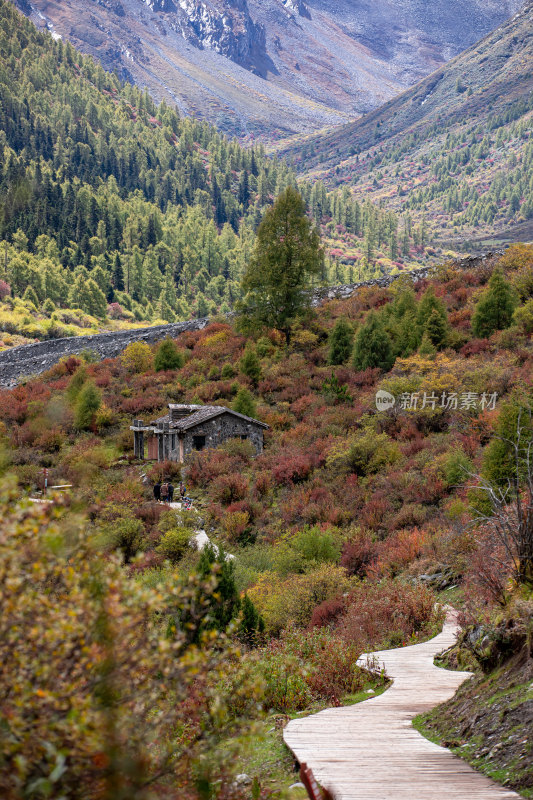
(282,601)
(137,357)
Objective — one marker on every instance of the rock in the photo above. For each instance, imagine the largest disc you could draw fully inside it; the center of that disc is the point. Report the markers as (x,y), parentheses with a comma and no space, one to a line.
(243,780)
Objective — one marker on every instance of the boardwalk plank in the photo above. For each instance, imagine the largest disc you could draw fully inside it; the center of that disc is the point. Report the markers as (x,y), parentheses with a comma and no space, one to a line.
(370,751)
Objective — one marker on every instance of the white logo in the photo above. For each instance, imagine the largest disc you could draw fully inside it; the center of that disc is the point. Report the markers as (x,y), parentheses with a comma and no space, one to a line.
(384,400)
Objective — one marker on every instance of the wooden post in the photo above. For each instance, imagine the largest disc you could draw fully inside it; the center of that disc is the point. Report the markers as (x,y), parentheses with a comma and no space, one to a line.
(309,781)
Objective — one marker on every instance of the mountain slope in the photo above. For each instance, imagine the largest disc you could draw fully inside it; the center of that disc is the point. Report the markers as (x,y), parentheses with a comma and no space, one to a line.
(271,67)
(113,208)
(456,146)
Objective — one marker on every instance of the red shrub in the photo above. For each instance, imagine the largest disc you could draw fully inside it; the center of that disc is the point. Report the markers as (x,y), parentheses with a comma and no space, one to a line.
(149,513)
(228,488)
(328,612)
(366,378)
(385,614)
(292,468)
(374,511)
(475,347)
(359,553)
(263,483)
(139,403)
(398,551)
(71,364)
(164,469)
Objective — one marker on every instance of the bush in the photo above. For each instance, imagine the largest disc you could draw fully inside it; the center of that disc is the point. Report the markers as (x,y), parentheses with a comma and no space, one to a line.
(292,469)
(174,544)
(340,342)
(316,546)
(250,365)
(457,468)
(364,453)
(94,668)
(292,600)
(227,372)
(137,357)
(372,346)
(387,614)
(229,488)
(359,553)
(306,667)
(125,534)
(494,311)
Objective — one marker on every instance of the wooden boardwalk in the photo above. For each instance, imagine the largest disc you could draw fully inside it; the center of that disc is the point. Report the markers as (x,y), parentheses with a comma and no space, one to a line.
(370,751)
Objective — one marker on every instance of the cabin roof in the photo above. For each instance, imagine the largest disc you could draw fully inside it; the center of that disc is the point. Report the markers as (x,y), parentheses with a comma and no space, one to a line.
(200,414)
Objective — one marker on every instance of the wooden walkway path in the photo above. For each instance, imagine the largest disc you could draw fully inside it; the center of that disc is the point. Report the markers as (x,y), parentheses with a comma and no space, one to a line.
(370,751)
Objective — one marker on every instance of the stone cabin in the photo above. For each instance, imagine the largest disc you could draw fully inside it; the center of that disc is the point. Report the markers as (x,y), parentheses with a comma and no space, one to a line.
(187,428)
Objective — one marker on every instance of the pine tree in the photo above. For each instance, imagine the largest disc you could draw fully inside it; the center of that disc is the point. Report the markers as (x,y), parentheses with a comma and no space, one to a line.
(340,342)
(118,274)
(252,624)
(373,347)
(87,404)
(287,257)
(167,356)
(30,296)
(427,348)
(495,309)
(163,309)
(436,330)
(224,602)
(427,305)
(202,308)
(250,365)
(244,403)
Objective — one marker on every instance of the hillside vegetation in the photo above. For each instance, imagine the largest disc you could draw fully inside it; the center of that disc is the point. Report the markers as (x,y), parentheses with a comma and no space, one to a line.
(117,209)
(454,150)
(343,530)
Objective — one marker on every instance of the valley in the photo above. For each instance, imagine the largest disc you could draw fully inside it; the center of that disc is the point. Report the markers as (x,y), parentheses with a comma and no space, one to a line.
(270,69)
(455,149)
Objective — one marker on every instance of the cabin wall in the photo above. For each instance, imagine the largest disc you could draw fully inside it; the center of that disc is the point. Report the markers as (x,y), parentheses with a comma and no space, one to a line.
(219,430)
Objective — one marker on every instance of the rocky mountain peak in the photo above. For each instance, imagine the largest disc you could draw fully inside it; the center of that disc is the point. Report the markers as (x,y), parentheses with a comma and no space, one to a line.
(226,28)
(296,8)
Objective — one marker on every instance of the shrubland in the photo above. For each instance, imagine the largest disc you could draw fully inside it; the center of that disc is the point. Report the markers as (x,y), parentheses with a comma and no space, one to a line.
(353,519)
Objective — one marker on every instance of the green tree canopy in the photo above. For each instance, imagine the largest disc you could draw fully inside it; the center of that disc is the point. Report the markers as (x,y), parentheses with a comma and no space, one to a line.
(436,329)
(244,403)
(494,311)
(340,342)
(167,356)
(87,405)
(287,257)
(372,346)
(250,365)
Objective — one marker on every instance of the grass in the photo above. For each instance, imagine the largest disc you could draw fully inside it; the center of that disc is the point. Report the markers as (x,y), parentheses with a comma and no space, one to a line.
(500,752)
(265,758)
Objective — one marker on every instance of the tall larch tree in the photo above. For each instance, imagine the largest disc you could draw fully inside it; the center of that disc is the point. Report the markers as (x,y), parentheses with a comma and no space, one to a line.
(286,259)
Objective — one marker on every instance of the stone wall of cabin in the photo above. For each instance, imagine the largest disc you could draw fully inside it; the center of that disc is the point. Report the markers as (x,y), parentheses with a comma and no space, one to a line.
(219,430)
